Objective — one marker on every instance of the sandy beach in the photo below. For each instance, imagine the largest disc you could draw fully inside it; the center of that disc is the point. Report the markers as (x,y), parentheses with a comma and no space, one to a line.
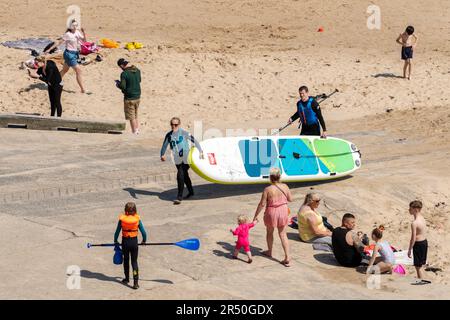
(229,65)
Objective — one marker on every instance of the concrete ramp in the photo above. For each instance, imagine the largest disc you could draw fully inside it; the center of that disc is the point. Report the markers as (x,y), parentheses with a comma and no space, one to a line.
(36,122)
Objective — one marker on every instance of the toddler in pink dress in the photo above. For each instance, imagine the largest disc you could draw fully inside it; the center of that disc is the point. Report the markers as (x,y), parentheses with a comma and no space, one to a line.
(242,232)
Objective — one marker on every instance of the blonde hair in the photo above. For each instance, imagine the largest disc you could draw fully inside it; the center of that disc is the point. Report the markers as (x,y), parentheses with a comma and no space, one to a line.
(309,197)
(243,219)
(275,175)
(40,59)
(175,118)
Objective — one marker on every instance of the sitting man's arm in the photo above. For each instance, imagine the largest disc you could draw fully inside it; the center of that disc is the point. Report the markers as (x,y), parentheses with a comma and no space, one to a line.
(357,243)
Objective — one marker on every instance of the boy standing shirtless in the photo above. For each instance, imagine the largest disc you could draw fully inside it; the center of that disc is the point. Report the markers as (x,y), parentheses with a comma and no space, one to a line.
(418,244)
(408,40)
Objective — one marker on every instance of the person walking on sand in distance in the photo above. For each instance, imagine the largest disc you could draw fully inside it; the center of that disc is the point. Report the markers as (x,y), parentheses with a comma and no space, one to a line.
(310,114)
(49,73)
(418,244)
(275,198)
(179,141)
(71,38)
(408,40)
(130,84)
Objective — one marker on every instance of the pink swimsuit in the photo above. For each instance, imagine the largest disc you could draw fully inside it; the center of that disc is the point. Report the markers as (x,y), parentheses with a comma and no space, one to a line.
(242,232)
(277,213)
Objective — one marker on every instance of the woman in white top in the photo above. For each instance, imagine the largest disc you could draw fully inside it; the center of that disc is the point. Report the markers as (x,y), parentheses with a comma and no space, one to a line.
(72,38)
(386,260)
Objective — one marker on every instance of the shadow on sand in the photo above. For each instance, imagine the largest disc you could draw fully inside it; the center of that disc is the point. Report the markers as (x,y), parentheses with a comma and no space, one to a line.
(34,86)
(387,75)
(217,191)
(229,250)
(99,276)
(294,236)
(327,258)
(102,277)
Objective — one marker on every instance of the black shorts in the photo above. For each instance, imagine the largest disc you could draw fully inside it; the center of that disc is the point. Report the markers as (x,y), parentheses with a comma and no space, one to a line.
(420,251)
(313,130)
(407,53)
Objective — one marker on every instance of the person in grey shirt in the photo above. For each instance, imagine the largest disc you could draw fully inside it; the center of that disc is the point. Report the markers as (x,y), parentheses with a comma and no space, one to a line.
(179,141)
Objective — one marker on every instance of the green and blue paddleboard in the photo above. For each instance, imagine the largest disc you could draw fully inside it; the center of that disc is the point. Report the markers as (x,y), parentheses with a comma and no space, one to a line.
(247,160)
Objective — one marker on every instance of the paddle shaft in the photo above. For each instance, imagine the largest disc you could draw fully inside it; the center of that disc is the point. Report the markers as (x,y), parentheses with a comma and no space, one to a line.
(141,244)
(322,96)
(158,244)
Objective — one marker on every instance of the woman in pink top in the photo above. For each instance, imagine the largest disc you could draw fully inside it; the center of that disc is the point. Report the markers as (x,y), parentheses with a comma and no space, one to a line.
(276,198)
(71,38)
(242,232)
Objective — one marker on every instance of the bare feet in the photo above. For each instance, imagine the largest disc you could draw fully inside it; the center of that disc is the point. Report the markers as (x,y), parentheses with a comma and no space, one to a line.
(285,263)
(267,253)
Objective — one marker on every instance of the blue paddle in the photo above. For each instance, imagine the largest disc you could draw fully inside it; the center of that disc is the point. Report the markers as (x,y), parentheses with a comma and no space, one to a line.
(118,255)
(188,244)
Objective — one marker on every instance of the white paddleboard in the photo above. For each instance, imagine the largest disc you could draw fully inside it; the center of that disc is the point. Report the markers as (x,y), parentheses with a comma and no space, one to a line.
(247,160)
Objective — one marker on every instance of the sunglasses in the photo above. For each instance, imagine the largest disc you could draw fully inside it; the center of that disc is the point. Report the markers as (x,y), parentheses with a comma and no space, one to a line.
(174,124)
(316,201)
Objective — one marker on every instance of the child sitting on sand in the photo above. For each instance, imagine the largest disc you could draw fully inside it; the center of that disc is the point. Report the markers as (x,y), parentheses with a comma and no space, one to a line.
(408,46)
(242,232)
(386,259)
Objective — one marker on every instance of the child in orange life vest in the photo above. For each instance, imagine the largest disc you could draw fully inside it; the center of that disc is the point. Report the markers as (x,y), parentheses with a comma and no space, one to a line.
(130,223)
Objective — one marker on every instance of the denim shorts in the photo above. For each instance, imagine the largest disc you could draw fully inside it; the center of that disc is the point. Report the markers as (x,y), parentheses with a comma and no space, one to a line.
(71,57)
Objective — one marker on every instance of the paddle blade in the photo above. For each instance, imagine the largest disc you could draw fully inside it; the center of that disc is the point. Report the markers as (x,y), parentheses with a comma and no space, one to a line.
(88,245)
(189,244)
(118,256)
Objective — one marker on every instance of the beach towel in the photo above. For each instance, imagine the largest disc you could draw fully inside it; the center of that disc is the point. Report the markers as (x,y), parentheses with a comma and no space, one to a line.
(322,247)
(108,43)
(37,44)
(293,223)
(88,48)
(401,257)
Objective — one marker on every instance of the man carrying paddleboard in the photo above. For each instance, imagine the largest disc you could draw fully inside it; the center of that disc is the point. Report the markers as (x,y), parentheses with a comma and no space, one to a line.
(178,139)
(310,115)
(130,223)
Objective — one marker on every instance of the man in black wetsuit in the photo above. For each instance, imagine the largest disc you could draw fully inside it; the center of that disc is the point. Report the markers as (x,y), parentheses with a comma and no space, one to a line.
(308,110)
